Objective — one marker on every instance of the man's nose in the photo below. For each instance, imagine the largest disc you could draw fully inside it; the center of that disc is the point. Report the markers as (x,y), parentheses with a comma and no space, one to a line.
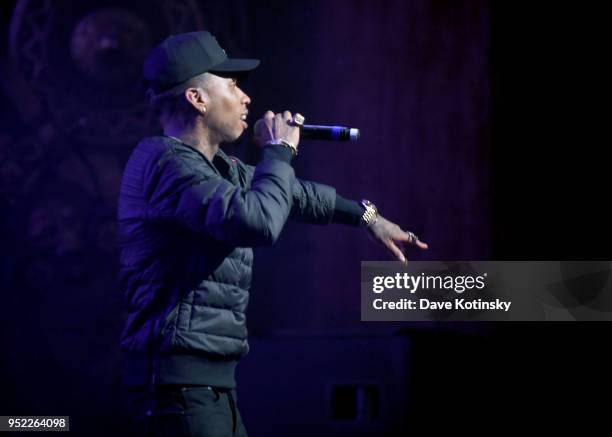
(245,98)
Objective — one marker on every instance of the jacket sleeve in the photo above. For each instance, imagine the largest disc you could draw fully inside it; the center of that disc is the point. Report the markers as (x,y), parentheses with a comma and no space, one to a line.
(206,203)
(312,202)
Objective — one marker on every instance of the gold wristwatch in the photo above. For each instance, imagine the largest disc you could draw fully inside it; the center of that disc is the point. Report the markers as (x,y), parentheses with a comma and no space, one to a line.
(370,213)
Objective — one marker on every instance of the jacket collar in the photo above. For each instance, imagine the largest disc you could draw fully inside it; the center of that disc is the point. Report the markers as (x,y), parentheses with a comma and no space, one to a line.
(221,164)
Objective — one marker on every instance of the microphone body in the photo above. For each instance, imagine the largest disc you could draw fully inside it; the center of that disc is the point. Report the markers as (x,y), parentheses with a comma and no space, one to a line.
(328,133)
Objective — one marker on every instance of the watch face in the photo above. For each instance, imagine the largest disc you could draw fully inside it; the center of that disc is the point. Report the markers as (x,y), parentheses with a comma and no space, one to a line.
(367,204)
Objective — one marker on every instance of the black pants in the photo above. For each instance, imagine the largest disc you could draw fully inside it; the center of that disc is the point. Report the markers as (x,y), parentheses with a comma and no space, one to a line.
(194,411)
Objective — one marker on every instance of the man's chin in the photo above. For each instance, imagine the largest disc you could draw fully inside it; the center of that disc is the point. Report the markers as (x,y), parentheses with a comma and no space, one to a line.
(233,138)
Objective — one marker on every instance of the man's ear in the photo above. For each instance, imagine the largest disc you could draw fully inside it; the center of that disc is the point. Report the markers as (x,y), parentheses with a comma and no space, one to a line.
(197,98)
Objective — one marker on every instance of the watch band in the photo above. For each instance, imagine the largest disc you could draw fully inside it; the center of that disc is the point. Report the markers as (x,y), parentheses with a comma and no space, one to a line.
(370,213)
(284,143)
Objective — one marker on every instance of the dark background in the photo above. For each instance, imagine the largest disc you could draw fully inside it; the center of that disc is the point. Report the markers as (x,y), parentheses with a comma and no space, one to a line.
(479,133)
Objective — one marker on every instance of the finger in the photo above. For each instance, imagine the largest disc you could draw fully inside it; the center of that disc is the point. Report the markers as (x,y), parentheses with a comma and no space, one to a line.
(279,120)
(262,126)
(403,244)
(257,128)
(421,244)
(404,237)
(410,238)
(268,114)
(396,251)
(403,248)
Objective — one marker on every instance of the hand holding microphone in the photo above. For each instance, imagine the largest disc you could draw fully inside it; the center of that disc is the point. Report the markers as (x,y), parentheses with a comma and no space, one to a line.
(325,133)
(277,129)
(273,128)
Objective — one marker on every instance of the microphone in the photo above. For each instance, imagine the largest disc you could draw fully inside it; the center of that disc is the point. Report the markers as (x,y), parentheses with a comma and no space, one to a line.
(328,133)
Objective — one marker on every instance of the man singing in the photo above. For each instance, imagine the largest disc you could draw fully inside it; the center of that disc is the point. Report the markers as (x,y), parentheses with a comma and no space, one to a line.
(189,216)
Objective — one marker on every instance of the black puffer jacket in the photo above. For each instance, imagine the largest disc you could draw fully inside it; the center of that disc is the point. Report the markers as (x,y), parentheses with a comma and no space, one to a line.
(186,229)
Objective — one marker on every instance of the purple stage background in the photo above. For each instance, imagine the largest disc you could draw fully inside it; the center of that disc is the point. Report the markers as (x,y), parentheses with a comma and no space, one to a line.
(413,76)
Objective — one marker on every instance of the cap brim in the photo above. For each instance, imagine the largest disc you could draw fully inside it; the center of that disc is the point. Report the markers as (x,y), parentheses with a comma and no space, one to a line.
(235,66)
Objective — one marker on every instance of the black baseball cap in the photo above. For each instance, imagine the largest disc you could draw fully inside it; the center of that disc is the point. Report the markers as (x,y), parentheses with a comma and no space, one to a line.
(180,57)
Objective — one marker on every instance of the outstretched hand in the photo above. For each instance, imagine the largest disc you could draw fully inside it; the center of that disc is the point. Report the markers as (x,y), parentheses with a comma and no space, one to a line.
(394,238)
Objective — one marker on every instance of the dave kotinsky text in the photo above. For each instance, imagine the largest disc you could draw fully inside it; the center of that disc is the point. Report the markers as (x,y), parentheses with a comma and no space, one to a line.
(435,292)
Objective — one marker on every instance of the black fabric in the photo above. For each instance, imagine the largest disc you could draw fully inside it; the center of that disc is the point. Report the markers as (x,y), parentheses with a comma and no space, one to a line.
(187,227)
(142,368)
(347,212)
(277,151)
(184,411)
(180,57)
